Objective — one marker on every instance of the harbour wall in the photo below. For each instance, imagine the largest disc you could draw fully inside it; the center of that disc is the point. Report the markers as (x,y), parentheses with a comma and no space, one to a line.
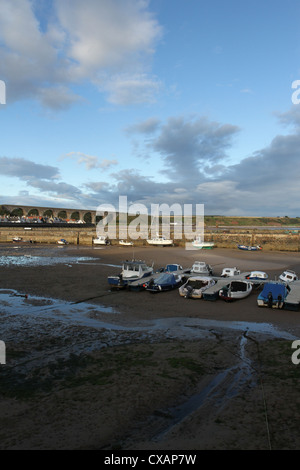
(276,240)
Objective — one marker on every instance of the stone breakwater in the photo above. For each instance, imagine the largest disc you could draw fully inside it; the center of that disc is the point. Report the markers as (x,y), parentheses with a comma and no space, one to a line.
(270,240)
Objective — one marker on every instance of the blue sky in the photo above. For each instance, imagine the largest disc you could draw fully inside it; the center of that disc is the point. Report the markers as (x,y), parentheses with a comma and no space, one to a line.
(164,101)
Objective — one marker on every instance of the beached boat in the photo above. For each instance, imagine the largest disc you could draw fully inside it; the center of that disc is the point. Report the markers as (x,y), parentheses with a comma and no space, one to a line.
(195,286)
(249,248)
(101,240)
(200,244)
(62,241)
(17,239)
(131,271)
(160,241)
(125,243)
(229,272)
(273,295)
(292,300)
(257,276)
(200,267)
(288,276)
(164,282)
(236,290)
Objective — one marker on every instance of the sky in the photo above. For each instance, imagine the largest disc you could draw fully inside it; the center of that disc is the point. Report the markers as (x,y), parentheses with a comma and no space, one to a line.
(161,101)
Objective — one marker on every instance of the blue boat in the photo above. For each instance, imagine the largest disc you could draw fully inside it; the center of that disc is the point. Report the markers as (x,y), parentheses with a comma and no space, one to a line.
(249,248)
(164,282)
(273,295)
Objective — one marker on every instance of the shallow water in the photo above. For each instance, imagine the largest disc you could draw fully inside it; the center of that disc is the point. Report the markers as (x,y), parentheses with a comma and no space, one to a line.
(89,315)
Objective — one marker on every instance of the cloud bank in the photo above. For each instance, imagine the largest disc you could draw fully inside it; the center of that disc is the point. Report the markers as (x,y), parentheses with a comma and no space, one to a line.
(47,48)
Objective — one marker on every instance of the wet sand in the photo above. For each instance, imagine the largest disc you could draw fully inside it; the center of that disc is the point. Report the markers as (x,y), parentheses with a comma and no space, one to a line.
(90,368)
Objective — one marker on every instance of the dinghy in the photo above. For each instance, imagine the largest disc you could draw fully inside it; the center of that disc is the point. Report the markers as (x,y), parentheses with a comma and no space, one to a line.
(236,290)
(164,282)
(195,286)
(249,248)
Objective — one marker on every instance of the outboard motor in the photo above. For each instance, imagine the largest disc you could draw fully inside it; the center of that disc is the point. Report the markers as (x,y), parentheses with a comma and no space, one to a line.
(189,292)
(270,300)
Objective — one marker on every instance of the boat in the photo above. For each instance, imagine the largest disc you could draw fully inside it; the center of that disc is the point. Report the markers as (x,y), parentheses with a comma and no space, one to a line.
(17,239)
(200,267)
(292,300)
(288,276)
(62,241)
(101,240)
(195,286)
(131,271)
(165,282)
(257,276)
(273,295)
(125,243)
(236,290)
(198,243)
(160,241)
(249,248)
(229,272)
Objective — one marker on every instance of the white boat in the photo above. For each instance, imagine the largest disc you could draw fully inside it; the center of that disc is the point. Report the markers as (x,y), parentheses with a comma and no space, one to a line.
(101,240)
(131,271)
(160,241)
(200,267)
(62,241)
(288,276)
(229,272)
(195,286)
(125,243)
(17,239)
(198,243)
(257,275)
(236,290)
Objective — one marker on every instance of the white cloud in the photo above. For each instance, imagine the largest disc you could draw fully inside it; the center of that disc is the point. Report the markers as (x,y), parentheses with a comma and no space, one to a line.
(81,41)
(91,161)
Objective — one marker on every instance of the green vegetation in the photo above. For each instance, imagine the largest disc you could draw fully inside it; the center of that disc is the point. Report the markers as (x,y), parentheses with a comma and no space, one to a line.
(217,221)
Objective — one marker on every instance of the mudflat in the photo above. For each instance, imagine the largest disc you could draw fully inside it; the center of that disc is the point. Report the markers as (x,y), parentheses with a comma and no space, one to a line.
(91,368)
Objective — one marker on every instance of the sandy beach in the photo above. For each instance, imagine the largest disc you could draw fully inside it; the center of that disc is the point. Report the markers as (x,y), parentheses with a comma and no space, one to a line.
(91,368)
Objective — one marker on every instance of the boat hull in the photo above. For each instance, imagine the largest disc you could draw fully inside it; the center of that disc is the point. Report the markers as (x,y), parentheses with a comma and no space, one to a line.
(249,248)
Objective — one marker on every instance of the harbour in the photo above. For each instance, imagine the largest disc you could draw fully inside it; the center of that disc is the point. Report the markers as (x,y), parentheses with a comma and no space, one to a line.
(148,366)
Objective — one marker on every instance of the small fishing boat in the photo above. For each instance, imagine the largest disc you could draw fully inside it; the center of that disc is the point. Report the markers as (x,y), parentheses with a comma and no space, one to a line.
(199,244)
(125,243)
(140,284)
(131,271)
(249,248)
(101,240)
(200,267)
(17,239)
(62,241)
(160,241)
(236,290)
(195,286)
(229,272)
(288,276)
(292,300)
(164,282)
(273,295)
(257,276)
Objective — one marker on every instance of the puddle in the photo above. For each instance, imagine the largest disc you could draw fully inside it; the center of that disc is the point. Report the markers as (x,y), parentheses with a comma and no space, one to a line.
(29,260)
